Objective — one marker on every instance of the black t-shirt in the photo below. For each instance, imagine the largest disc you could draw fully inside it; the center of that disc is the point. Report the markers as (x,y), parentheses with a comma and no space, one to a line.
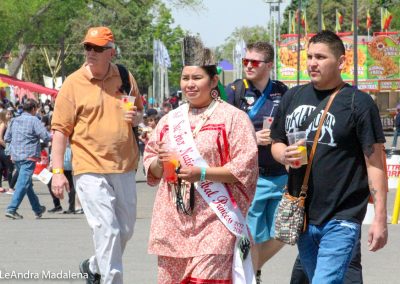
(338,183)
(269,108)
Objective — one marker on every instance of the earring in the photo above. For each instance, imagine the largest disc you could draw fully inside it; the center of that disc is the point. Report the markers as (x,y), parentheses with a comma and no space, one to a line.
(214,94)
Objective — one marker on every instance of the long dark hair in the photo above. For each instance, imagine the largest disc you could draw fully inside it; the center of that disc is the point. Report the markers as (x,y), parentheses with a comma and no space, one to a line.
(211,71)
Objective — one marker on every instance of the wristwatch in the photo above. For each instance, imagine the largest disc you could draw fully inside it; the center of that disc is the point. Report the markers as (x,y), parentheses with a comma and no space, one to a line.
(58,171)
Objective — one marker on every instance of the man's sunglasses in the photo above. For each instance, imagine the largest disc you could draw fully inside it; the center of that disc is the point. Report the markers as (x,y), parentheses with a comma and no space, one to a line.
(254,63)
(96,48)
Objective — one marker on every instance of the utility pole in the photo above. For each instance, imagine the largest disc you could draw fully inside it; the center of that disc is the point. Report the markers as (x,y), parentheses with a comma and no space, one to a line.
(274,6)
(279,20)
(269,25)
(319,15)
(355,45)
(298,42)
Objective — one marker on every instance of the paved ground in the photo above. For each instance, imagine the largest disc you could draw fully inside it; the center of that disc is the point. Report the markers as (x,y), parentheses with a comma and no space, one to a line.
(57,243)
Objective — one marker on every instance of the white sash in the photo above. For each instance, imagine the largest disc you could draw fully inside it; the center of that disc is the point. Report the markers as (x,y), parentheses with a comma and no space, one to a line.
(215,194)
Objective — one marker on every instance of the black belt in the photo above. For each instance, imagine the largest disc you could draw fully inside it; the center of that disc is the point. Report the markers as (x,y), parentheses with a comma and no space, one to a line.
(270,172)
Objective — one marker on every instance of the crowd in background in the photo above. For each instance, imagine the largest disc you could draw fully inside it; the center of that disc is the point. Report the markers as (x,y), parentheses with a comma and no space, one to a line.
(9,111)
(153,113)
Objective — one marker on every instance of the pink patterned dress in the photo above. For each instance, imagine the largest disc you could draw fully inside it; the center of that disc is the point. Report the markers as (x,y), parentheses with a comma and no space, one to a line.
(226,139)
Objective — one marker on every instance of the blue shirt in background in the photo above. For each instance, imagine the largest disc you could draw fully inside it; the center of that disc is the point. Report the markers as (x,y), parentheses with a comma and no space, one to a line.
(24,134)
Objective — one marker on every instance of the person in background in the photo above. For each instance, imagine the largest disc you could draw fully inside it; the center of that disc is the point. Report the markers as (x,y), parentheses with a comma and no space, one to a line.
(11,111)
(10,114)
(174,100)
(259,96)
(24,134)
(91,113)
(397,126)
(5,161)
(2,106)
(142,127)
(166,108)
(48,108)
(144,101)
(152,119)
(68,175)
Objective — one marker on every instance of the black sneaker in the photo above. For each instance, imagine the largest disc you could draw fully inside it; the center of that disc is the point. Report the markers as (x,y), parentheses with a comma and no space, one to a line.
(14,215)
(92,278)
(42,210)
(55,209)
(69,211)
(258,277)
(79,211)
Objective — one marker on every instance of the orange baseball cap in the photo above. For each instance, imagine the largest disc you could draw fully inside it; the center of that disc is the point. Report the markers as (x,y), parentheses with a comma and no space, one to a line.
(100,36)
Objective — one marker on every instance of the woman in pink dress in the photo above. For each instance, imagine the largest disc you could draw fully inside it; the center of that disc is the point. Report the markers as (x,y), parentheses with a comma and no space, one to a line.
(193,243)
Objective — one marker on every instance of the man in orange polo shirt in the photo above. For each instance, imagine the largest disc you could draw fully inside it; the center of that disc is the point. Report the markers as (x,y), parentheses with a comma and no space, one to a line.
(89,110)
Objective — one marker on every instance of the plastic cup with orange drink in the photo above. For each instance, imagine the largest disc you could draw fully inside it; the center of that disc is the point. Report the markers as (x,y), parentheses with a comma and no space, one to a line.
(171,166)
(299,138)
(127,103)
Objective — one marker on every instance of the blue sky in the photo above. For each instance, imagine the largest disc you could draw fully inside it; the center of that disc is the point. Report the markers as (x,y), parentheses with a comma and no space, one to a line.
(220,18)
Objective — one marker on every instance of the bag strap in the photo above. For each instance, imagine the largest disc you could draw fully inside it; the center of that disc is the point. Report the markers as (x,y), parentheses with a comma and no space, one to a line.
(126,87)
(261,100)
(304,187)
(123,72)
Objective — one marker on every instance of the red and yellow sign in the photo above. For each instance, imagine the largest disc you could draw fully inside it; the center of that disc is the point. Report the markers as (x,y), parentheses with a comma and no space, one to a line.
(348,69)
(378,61)
(383,58)
(287,59)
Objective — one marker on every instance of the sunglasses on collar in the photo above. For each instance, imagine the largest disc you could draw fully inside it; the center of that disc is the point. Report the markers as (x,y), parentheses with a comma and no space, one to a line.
(96,48)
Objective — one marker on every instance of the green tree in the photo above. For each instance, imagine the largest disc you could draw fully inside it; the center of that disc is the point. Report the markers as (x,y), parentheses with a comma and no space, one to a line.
(134,27)
(248,34)
(187,3)
(172,38)
(27,24)
(395,10)
(37,23)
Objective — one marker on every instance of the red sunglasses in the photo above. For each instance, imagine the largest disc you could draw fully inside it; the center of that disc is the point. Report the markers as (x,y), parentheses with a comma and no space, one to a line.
(254,63)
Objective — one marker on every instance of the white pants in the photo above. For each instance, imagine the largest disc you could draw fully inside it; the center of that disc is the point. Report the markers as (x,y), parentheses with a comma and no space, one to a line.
(109,203)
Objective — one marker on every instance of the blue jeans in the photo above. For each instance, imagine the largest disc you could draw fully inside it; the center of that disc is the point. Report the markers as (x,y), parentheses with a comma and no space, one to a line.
(326,250)
(395,135)
(24,186)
